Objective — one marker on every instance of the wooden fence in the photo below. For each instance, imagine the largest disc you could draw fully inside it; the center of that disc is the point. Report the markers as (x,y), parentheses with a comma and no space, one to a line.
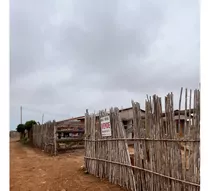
(54,137)
(162,159)
(44,137)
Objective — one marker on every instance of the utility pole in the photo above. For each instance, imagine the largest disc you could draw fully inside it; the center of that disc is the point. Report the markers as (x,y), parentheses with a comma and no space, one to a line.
(20,114)
(42,119)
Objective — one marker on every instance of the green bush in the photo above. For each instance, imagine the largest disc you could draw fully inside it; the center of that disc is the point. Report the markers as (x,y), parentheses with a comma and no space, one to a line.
(20,128)
(29,124)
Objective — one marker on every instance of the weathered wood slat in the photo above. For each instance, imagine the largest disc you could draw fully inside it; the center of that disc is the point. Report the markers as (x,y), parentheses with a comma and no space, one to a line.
(70,148)
(115,151)
(44,137)
(70,131)
(70,126)
(69,140)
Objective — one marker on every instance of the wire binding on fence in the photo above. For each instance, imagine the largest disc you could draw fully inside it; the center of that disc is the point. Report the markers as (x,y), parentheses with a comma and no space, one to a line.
(146,170)
(142,139)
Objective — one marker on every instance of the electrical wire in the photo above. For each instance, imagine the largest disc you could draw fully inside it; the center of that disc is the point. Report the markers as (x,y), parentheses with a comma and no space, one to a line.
(45,112)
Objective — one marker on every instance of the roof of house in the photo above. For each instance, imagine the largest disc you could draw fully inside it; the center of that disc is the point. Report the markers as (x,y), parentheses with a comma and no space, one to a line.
(82,117)
(176,113)
(128,108)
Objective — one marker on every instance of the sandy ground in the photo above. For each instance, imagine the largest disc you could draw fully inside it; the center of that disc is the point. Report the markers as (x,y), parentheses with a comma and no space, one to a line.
(32,170)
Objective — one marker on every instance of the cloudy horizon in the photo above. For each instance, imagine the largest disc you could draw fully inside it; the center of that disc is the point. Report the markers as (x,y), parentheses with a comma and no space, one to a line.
(69,56)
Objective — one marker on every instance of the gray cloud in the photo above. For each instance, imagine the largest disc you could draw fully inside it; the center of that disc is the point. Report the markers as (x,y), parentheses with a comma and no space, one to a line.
(67,56)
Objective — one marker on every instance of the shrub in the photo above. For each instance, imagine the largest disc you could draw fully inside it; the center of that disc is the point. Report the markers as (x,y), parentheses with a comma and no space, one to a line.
(29,124)
(20,128)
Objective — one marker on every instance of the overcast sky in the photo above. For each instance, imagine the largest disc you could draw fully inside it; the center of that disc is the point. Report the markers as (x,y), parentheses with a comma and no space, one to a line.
(70,55)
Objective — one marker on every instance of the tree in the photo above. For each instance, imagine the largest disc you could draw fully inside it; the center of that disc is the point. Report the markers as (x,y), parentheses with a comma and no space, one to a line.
(21,129)
(29,124)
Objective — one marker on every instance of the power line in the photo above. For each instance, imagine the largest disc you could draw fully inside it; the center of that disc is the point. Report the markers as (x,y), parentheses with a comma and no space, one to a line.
(21,115)
(45,112)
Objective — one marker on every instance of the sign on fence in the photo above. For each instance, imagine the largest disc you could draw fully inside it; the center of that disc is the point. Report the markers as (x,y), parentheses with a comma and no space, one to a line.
(105,126)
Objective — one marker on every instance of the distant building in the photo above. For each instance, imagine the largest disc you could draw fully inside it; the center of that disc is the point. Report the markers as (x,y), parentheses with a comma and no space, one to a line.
(14,134)
(127,120)
(126,115)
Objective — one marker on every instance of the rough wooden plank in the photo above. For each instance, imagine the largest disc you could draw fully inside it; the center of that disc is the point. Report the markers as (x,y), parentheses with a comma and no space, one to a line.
(70,131)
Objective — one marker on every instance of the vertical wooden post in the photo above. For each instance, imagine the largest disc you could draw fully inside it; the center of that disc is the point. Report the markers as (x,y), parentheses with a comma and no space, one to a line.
(55,138)
(42,119)
(180,101)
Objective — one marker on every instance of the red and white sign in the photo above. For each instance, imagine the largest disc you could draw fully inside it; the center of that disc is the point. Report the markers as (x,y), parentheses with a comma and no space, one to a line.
(106,126)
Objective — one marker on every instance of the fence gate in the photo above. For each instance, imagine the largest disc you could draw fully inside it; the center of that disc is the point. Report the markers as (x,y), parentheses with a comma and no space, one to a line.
(164,159)
(69,135)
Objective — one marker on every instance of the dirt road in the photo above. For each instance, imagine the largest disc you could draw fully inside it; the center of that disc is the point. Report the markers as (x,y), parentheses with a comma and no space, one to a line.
(32,170)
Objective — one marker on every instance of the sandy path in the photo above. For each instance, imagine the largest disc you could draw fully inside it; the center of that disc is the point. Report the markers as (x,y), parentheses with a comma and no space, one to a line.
(32,170)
